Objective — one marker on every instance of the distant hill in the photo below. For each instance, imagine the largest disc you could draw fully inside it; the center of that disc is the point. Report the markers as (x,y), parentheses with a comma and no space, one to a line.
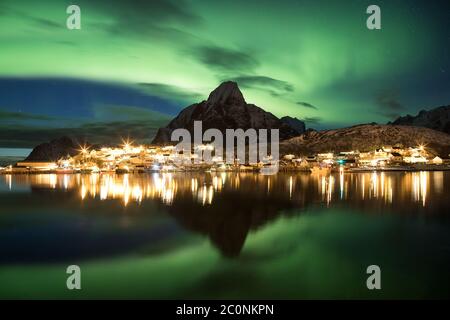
(367,137)
(297,124)
(54,150)
(437,119)
(225,108)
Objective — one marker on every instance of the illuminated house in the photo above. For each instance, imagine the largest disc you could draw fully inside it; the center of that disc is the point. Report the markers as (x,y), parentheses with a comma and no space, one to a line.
(415,159)
(39,166)
(416,155)
(374,159)
(396,157)
(323,156)
(289,157)
(436,160)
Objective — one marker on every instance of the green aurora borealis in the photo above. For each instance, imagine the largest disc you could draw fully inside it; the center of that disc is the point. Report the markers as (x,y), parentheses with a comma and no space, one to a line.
(314,60)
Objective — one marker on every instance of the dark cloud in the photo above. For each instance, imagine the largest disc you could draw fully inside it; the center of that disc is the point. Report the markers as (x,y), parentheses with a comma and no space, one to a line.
(36,17)
(152,32)
(274,86)
(313,120)
(167,91)
(388,102)
(46,23)
(108,125)
(307,105)
(140,131)
(65,42)
(156,18)
(144,10)
(110,133)
(36,20)
(224,59)
(14,116)
(108,113)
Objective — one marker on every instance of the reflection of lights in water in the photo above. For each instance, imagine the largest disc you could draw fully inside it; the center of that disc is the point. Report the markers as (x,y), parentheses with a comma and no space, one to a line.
(104,187)
(223,176)
(204,189)
(389,194)
(438,181)
(210,195)
(423,183)
(194,185)
(83,191)
(167,196)
(164,187)
(380,187)
(202,195)
(363,186)
(290,187)
(327,186)
(323,185)
(330,188)
(374,185)
(66,181)
(217,183)
(415,186)
(205,195)
(52,178)
(9,181)
(120,187)
(237,182)
(137,193)
(419,186)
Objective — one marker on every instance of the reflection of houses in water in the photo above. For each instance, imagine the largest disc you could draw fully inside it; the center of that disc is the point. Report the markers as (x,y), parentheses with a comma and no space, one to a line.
(227,206)
(420,184)
(203,189)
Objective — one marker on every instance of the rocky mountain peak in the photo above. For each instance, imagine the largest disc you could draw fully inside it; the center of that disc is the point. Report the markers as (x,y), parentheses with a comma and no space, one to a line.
(225,108)
(437,119)
(54,150)
(226,93)
(296,124)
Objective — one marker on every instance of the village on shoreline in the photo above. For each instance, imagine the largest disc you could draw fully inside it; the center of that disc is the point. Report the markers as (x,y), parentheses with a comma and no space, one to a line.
(140,159)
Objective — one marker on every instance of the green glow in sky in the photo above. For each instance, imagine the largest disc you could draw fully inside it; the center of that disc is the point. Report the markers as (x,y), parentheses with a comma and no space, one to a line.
(315,60)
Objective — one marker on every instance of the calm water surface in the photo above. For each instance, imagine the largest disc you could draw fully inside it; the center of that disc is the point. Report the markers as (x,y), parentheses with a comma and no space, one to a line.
(225,235)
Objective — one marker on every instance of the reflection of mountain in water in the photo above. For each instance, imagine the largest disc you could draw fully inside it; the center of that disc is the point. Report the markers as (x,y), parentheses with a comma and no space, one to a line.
(225,207)
(230,217)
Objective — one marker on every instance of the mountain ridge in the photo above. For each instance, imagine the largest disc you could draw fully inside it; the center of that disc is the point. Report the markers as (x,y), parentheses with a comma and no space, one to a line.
(436,118)
(366,137)
(224,109)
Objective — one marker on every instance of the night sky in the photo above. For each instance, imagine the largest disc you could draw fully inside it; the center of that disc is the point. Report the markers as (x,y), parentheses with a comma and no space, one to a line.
(135,64)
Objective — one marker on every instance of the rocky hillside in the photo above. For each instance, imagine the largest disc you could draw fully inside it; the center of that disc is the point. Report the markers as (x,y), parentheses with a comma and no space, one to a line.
(225,108)
(296,124)
(367,137)
(437,119)
(54,150)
